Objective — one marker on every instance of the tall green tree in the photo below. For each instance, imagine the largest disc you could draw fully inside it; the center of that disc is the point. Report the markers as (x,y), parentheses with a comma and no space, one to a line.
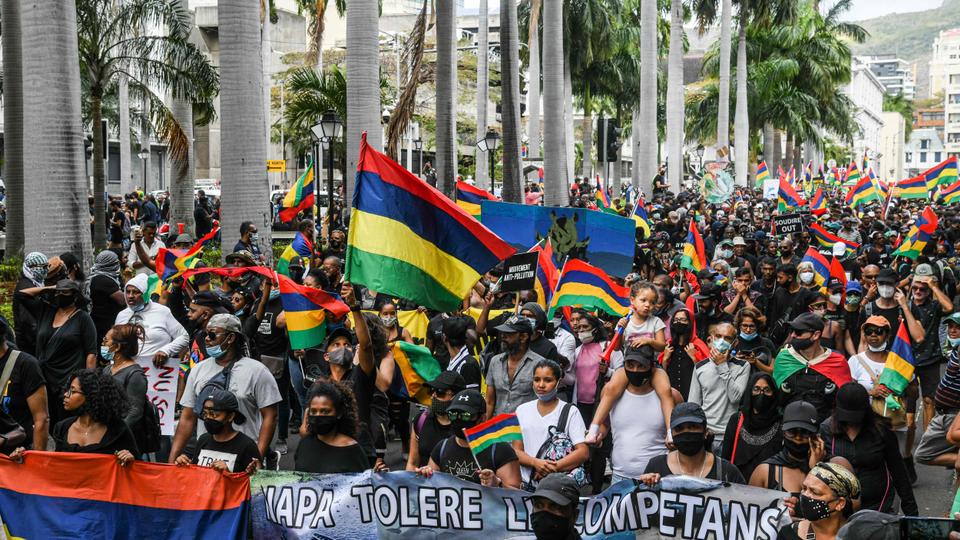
(898,103)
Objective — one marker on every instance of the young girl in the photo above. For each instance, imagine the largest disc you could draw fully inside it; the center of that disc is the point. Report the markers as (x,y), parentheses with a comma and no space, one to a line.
(639,329)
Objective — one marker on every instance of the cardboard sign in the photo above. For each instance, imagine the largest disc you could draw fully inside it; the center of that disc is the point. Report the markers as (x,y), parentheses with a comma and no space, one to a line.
(787,224)
(520,272)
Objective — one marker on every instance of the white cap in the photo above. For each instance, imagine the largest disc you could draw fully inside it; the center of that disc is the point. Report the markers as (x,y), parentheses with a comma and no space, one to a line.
(839,249)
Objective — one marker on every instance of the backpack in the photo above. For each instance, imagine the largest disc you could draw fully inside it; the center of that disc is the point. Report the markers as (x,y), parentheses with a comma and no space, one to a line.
(557,446)
(220,381)
(147,430)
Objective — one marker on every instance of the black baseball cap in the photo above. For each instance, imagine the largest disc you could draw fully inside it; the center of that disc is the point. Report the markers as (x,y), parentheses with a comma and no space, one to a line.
(447,380)
(853,403)
(454,327)
(470,401)
(888,275)
(709,290)
(797,415)
(515,324)
(223,400)
(687,413)
(807,322)
(643,354)
(559,488)
(339,332)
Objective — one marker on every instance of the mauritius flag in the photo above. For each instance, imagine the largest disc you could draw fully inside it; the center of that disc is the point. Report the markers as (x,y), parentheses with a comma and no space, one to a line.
(864,192)
(305,309)
(853,175)
(603,200)
(171,263)
(818,204)
(582,285)
(694,255)
(76,495)
(301,246)
(949,194)
(787,197)
(470,197)
(547,274)
(763,173)
(913,188)
(300,197)
(502,428)
(641,218)
(830,364)
(919,234)
(821,267)
(827,239)
(943,173)
(416,366)
(898,369)
(408,240)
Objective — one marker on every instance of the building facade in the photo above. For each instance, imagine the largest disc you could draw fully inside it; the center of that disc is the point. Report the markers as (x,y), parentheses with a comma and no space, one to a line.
(866,92)
(951,97)
(946,52)
(890,165)
(895,74)
(924,150)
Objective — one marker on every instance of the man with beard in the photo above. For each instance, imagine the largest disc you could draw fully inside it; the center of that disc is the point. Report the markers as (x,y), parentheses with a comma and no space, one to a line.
(789,300)
(510,375)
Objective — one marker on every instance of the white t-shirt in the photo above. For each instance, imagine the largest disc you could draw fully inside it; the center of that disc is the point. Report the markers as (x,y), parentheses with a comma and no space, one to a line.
(536,428)
(861,375)
(638,430)
(649,328)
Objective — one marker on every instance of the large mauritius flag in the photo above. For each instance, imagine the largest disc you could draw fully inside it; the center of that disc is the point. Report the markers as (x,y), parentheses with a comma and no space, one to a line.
(407,239)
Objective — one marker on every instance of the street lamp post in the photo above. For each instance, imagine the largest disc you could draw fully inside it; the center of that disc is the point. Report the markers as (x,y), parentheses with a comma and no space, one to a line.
(144,155)
(700,150)
(418,144)
(326,132)
(489,144)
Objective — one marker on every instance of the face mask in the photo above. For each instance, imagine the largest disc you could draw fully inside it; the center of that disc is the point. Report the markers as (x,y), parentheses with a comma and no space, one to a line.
(886,291)
(835,299)
(761,402)
(585,337)
(342,356)
(64,301)
(853,300)
(438,407)
(801,344)
(880,348)
(679,329)
(813,509)
(721,345)
(321,425)
(819,312)
(638,378)
(240,312)
(953,341)
(797,450)
(533,322)
(388,321)
(806,278)
(212,426)
(140,307)
(748,337)
(457,426)
(726,253)
(255,238)
(548,525)
(689,442)
(215,351)
(549,396)
(106,354)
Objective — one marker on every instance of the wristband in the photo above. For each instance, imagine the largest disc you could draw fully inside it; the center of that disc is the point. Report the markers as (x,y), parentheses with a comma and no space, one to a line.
(355,308)
(594,429)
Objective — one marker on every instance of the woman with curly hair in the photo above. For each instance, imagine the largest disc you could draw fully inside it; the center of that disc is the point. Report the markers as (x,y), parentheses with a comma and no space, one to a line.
(330,446)
(120,346)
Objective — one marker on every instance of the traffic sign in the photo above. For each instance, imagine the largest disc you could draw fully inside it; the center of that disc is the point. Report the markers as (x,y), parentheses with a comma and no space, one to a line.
(276,165)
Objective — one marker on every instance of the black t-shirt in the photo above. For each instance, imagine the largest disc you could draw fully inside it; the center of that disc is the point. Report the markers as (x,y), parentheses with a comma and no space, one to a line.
(117,437)
(316,456)
(25,379)
(852,320)
(103,309)
(928,315)
(238,451)
(435,333)
(116,231)
(457,460)
(429,435)
(721,469)
(271,340)
(63,350)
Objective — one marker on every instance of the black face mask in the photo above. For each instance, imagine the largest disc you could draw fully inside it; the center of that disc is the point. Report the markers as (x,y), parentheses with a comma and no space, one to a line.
(213,427)
(321,425)
(689,443)
(439,408)
(802,344)
(457,426)
(761,402)
(548,526)
(638,378)
(679,329)
(800,451)
(813,509)
(64,301)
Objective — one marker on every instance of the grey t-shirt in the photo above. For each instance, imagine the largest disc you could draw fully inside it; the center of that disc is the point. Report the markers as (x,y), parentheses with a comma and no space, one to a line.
(250,381)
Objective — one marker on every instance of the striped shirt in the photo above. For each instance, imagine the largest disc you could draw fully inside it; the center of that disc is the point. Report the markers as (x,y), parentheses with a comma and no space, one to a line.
(948,391)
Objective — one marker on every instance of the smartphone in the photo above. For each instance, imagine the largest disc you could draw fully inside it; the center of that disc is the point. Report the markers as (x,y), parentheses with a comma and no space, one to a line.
(923,528)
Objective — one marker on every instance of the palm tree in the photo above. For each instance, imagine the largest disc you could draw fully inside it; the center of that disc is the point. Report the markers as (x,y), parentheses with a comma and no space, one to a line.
(483,56)
(510,100)
(55,153)
(315,11)
(646,159)
(13,125)
(900,104)
(406,104)
(115,43)
(741,126)
(446,97)
(533,72)
(554,131)
(245,192)
(675,97)
(126,180)
(363,74)
(182,171)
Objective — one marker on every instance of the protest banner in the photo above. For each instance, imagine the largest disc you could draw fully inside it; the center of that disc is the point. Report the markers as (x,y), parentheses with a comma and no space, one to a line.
(785,224)
(162,392)
(404,505)
(73,495)
(602,239)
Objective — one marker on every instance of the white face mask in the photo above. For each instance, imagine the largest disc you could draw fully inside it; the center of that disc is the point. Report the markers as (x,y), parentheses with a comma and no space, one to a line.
(806,277)
(886,291)
(835,299)
(880,348)
(585,337)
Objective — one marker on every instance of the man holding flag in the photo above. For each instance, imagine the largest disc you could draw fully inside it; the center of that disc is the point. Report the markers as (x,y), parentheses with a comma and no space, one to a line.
(928,304)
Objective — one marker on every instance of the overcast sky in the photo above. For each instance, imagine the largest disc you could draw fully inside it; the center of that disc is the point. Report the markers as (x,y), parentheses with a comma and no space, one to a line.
(862,9)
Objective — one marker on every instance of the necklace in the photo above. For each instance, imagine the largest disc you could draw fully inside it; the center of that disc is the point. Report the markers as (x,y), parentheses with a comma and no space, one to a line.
(688,473)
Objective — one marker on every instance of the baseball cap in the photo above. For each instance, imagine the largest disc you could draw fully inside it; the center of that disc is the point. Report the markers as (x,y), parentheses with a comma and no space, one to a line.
(183,238)
(337,333)
(888,276)
(854,286)
(643,354)
(559,488)
(870,524)
(953,318)
(797,415)
(923,273)
(807,322)
(876,320)
(241,257)
(223,400)
(515,324)
(68,285)
(447,380)
(739,241)
(225,321)
(853,403)
(708,290)
(468,400)
(687,413)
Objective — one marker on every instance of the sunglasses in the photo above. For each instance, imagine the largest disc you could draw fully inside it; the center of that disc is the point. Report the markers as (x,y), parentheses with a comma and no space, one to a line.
(818,306)
(461,415)
(213,336)
(874,331)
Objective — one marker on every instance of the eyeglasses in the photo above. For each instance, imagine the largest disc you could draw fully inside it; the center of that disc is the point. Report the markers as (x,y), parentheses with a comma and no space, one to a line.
(818,306)
(213,336)
(460,415)
(874,331)
(443,394)
(71,391)
(765,390)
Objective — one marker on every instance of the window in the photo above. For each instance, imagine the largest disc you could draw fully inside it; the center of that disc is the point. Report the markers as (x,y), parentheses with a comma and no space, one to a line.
(923,157)
(909,156)
(936,157)
(954,79)
(955,118)
(924,144)
(954,99)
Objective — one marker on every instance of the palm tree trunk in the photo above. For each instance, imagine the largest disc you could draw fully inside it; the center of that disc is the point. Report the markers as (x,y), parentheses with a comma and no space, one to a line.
(483,55)
(741,128)
(647,159)
(768,143)
(145,165)
(634,147)
(586,164)
(798,155)
(182,170)
(510,109)
(675,97)
(267,55)
(554,134)
(55,153)
(126,178)
(571,145)
(13,125)
(245,190)
(723,112)
(777,151)
(788,153)
(363,83)
(99,149)
(446,97)
(533,89)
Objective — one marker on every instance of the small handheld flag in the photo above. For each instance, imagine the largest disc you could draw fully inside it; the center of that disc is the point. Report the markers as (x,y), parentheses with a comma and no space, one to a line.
(305,309)
(943,173)
(583,285)
(300,197)
(502,428)
(821,267)
(694,255)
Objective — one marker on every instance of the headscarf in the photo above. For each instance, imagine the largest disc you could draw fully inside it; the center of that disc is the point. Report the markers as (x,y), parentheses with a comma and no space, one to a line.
(139,282)
(35,268)
(763,420)
(838,478)
(107,264)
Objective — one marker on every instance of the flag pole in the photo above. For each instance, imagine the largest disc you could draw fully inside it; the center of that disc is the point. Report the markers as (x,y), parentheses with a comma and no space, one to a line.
(474,456)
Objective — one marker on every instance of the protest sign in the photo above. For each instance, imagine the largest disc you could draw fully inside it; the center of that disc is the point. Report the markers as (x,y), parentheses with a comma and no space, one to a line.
(785,224)
(604,240)
(404,505)
(162,392)
(519,272)
(74,495)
